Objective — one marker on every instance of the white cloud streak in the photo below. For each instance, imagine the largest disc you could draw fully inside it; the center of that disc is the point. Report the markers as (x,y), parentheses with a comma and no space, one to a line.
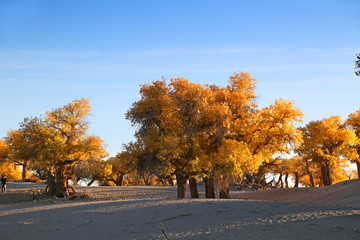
(214,51)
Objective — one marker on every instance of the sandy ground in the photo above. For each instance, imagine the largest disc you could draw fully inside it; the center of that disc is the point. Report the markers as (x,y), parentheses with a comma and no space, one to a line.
(343,194)
(139,212)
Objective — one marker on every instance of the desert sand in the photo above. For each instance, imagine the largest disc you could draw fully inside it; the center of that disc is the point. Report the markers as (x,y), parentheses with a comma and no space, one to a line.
(139,212)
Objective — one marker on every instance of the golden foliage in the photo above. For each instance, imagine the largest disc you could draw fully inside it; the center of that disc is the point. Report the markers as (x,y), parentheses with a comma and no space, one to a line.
(12,171)
(198,129)
(353,122)
(5,150)
(328,144)
(328,140)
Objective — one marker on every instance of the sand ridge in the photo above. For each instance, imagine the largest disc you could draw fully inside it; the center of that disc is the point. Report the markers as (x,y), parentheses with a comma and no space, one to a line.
(344,194)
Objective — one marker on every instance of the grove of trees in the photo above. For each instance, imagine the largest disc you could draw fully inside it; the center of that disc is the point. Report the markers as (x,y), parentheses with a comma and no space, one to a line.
(186,133)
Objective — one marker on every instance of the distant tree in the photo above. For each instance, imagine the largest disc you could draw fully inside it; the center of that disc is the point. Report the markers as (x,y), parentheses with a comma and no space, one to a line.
(91,170)
(353,123)
(125,163)
(7,167)
(22,150)
(11,170)
(326,142)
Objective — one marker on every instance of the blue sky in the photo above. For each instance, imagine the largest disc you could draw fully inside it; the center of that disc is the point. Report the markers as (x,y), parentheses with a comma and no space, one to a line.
(52,52)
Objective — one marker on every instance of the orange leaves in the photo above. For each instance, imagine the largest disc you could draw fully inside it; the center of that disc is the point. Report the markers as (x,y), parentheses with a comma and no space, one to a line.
(69,140)
(243,86)
(327,140)
(5,150)
(11,170)
(353,122)
(235,158)
(70,119)
(200,128)
(59,138)
(275,128)
(91,147)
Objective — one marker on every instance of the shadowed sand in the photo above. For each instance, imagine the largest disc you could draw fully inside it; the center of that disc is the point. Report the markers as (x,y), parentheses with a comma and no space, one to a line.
(140,212)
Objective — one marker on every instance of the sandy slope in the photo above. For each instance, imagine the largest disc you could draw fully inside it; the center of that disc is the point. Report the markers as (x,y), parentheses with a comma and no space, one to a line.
(140,213)
(345,194)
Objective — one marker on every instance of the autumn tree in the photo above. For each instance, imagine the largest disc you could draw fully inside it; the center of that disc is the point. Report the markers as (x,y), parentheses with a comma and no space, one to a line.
(91,170)
(353,122)
(296,167)
(277,167)
(304,171)
(254,135)
(60,140)
(271,132)
(326,142)
(196,129)
(189,100)
(227,109)
(154,147)
(168,125)
(22,150)
(126,163)
(7,167)
(312,176)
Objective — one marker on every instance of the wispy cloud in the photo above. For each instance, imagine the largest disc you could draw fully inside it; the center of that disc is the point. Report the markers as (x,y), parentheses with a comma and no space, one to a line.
(210,51)
(59,54)
(332,51)
(298,67)
(100,65)
(34,84)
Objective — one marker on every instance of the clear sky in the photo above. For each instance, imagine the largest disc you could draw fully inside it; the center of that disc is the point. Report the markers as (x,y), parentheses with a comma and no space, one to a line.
(55,51)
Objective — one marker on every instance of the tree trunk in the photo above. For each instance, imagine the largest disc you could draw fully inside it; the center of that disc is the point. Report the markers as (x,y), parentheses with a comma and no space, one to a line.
(209,187)
(260,177)
(326,175)
(286,180)
(193,188)
(50,183)
(181,185)
(71,190)
(60,182)
(24,170)
(91,182)
(224,191)
(310,174)
(358,168)
(147,180)
(279,181)
(311,179)
(224,188)
(296,180)
(119,180)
